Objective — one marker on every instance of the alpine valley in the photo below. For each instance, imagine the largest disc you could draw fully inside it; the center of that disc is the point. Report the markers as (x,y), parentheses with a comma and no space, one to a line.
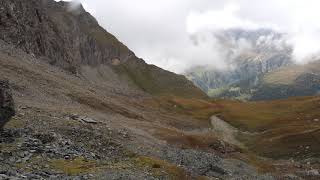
(76,103)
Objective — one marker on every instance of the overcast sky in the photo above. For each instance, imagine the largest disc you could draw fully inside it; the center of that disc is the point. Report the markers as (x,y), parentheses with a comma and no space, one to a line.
(159,30)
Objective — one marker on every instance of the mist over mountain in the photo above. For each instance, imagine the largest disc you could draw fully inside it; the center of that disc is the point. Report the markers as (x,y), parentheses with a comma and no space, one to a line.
(248,54)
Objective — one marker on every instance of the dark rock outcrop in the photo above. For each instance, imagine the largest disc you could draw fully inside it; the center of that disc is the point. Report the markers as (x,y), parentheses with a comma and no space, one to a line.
(6,103)
(67,37)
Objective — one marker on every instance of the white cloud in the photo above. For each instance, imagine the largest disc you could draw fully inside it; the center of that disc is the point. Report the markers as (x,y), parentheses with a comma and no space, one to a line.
(218,20)
(299,19)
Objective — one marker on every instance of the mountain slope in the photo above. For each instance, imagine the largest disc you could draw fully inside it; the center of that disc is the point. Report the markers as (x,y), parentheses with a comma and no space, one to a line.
(71,38)
(249,55)
(285,82)
(136,136)
(94,120)
(278,128)
(295,80)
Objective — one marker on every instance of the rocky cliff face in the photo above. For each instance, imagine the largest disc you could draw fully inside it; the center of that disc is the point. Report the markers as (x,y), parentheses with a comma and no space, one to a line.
(67,37)
(6,103)
(71,38)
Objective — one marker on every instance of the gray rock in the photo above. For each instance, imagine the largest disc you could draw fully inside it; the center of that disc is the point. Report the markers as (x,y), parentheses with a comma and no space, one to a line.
(89,120)
(313,172)
(291,177)
(83,119)
(3,176)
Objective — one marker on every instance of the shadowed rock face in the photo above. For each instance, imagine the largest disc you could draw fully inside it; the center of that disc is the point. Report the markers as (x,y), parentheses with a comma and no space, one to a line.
(67,37)
(6,103)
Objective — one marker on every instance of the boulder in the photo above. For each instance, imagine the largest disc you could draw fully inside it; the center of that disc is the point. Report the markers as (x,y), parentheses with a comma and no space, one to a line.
(6,103)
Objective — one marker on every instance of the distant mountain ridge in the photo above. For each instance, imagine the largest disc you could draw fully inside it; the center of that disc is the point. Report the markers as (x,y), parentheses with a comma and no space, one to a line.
(266,52)
(293,80)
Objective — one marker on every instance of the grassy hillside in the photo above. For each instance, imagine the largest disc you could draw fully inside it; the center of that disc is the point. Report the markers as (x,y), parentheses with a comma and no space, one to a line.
(288,75)
(287,81)
(285,128)
(157,81)
(295,80)
(278,129)
(148,78)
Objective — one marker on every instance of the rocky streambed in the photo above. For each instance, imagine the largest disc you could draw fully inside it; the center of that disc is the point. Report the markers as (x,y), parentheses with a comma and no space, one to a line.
(225,131)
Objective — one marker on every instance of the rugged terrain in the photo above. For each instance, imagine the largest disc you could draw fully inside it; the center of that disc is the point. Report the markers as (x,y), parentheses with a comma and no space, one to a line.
(69,127)
(88,108)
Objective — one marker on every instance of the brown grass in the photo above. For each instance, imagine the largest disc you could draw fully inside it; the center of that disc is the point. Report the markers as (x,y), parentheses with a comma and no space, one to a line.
(198,109)
(285,127)
(260,116)
(74,167)
(287,75)
(159,166)
(198,141)
(206,140)
(280,126)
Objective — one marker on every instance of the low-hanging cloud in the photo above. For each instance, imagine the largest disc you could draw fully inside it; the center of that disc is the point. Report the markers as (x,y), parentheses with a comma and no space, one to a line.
(296,19)
(179,34)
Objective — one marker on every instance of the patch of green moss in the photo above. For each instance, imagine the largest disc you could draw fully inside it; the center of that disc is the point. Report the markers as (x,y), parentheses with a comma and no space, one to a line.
(106,39)
(74,167)
(15,122)
(159,166)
